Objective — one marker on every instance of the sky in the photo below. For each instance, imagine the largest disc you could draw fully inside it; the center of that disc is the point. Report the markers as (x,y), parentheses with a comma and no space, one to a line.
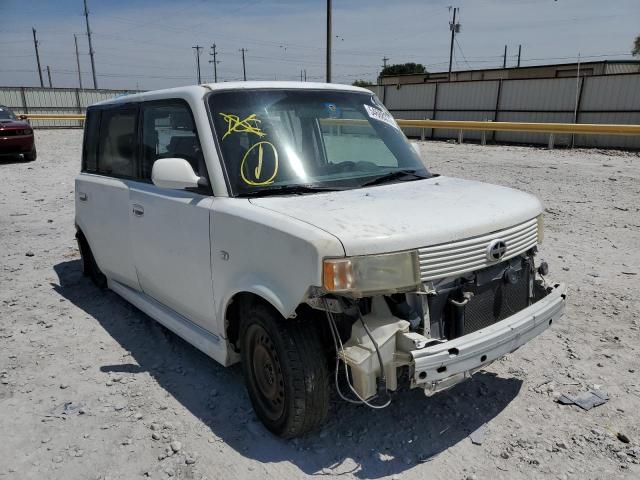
(147,44)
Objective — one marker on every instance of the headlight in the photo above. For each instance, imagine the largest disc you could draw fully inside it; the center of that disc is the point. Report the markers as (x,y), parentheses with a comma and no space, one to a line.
(540,229)
(369,274)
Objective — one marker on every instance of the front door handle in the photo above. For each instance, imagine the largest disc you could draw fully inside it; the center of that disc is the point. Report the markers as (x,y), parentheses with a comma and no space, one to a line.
(138,211)
(82,196)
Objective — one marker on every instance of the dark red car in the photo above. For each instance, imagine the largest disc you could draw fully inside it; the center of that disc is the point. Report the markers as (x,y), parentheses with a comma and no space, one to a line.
(16,136)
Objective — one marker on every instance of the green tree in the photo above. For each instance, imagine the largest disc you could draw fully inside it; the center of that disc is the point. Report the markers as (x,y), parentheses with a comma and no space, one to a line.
(401,68)
(636,47)
(362,83)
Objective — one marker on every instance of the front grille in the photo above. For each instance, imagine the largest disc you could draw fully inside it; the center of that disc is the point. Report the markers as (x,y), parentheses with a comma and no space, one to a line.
(496,301)
(456,258)
(10,133)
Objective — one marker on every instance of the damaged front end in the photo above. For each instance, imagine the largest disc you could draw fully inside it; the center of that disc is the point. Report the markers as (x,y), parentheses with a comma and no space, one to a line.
(437,334)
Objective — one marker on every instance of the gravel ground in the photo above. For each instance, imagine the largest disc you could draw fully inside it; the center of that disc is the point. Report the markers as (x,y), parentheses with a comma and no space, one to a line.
(92,388)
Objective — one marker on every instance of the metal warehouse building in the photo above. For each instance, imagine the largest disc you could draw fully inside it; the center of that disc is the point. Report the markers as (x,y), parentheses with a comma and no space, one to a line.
(562,70)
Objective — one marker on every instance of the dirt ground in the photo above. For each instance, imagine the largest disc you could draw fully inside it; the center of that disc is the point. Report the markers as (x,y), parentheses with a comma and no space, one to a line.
(91,388)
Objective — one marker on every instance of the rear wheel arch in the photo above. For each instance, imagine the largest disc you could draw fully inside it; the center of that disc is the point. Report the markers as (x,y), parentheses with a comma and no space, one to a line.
(89,266)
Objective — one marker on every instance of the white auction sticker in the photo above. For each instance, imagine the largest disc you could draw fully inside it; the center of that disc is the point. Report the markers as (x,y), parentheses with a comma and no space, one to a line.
(381,116)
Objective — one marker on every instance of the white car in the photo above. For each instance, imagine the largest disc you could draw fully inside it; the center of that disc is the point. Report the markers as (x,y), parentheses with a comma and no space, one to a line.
(292,227)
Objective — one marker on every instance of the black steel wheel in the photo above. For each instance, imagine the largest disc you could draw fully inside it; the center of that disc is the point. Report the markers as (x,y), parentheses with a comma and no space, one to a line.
(285,371)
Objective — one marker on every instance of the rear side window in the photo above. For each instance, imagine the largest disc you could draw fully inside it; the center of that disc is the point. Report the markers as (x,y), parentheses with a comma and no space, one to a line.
(90,148)
(117,146)
(169,131)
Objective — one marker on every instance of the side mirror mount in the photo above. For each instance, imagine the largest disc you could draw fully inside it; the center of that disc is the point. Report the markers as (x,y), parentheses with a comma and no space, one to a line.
(175,173)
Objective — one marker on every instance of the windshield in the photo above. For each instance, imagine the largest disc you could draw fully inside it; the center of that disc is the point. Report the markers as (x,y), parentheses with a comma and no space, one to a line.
(6,114)
(306,140)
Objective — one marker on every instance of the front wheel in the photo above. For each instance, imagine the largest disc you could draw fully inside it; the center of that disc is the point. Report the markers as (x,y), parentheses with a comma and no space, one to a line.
(285,371)
(31,156)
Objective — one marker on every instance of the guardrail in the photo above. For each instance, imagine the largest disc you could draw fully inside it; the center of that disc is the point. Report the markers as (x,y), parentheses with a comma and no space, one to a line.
(461,126)
(573,128)
(52,116)
(550,128)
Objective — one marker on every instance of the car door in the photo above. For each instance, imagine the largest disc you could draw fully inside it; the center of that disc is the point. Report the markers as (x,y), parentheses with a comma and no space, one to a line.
(102,189)
(170,228)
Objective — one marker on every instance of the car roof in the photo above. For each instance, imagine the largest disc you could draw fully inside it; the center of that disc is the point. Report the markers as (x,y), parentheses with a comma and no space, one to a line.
(199,90)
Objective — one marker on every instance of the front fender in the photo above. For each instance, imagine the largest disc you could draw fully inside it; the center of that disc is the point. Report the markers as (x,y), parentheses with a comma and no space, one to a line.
(267,253)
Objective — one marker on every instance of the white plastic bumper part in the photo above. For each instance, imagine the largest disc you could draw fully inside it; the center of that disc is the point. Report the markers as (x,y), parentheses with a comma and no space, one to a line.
(444,365)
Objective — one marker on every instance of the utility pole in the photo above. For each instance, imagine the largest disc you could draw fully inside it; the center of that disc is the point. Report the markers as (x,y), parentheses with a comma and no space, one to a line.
(384,65)
(305,74)
(49,75)
(93,63)
(35,44)
(328,77)
(75,39)
(198,48)
(504,58)
(244,68)
(519,52)
(455,28)
(300,75)
(215,63)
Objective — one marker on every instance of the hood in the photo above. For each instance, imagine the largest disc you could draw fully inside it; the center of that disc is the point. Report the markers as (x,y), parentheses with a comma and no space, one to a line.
(11,124)
(407,215)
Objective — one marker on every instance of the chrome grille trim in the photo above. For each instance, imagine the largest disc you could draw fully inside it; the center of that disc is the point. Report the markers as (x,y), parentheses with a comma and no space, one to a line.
(456,258)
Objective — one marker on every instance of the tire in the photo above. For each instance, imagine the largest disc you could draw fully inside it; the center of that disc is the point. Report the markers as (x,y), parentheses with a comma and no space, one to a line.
(285,371)
(89,266)
(31,156)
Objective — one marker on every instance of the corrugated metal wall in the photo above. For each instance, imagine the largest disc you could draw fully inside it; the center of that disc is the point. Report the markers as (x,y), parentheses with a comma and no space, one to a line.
(53,101)
(600,99)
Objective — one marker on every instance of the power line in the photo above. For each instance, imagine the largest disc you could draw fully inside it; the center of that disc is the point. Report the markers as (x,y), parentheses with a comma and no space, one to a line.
(462,53)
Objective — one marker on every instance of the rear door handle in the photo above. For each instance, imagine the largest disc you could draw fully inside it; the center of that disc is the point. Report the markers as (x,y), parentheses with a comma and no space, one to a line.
(82,196)
(138,211)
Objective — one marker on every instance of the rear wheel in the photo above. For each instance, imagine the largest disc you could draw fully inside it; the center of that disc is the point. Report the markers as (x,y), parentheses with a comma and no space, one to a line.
(285,371)
(89,266)
(31,156)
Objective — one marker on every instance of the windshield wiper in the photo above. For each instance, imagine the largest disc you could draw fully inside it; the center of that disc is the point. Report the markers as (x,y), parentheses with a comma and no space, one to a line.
(289,190)
(395,175)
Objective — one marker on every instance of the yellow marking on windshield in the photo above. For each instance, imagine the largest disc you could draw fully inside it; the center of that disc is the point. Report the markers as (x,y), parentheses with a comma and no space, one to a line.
(248,125)
(258,169)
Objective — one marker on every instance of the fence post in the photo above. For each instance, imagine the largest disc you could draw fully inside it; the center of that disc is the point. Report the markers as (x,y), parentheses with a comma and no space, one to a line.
(551,140)
(435,109)
(460,136)
(24,100)
(78,105)
(497,109)
(422,131)
(576,114)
